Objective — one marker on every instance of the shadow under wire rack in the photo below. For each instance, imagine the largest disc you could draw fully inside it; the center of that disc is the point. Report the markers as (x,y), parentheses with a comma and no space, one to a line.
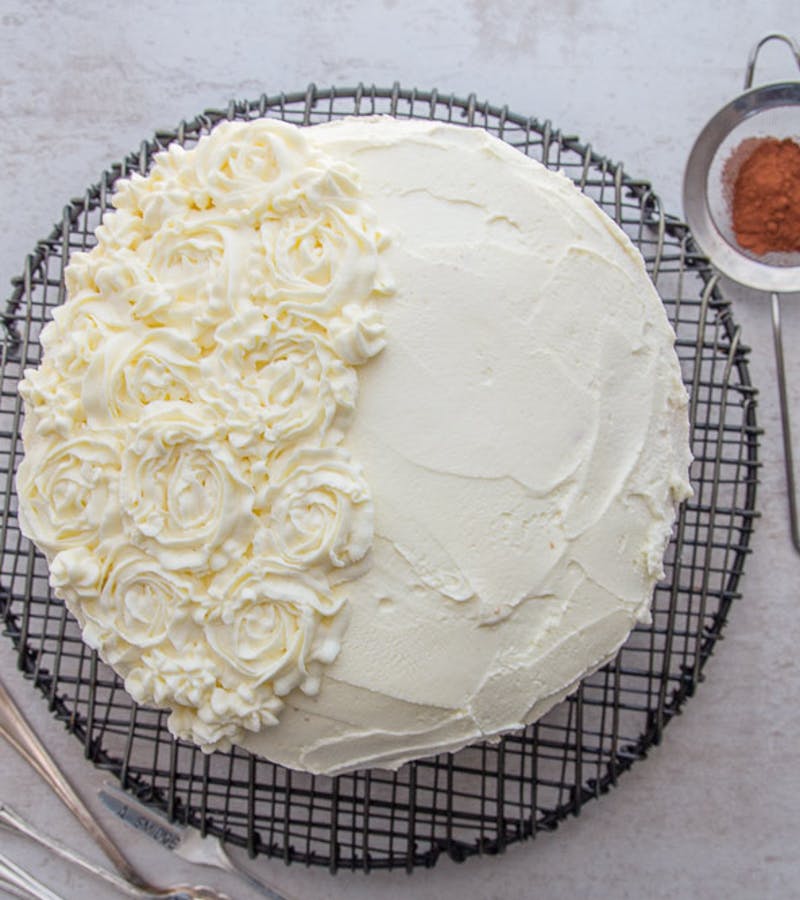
(485,797)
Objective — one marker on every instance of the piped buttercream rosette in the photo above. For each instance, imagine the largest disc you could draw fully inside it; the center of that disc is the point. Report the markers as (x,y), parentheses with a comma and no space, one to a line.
(184,473)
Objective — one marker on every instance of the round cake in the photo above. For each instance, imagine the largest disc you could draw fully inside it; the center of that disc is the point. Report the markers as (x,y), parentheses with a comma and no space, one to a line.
(355,443)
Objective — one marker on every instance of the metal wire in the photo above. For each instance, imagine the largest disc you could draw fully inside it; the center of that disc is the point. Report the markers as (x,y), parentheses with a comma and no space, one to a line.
(484,797)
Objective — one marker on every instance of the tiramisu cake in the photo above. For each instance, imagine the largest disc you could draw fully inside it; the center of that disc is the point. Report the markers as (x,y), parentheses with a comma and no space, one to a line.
(354,443)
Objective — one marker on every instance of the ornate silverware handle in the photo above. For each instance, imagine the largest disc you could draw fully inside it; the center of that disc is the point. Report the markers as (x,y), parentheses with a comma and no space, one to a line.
(13,821)
(22,883)
(16,730)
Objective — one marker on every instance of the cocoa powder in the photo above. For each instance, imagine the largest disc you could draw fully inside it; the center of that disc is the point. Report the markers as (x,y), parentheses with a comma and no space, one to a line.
(766,198)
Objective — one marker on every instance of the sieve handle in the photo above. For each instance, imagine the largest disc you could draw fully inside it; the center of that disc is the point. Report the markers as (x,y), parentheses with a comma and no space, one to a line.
(751,62)
(791,490)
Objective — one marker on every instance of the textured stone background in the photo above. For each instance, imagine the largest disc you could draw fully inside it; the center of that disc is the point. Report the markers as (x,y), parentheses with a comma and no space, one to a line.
(712,812)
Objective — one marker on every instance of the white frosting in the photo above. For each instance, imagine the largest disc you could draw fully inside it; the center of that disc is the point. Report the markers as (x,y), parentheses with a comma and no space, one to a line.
(191,438)
(525,436)
(183,468)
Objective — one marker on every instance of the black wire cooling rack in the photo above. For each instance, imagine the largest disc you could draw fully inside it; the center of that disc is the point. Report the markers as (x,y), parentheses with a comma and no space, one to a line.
(484,797)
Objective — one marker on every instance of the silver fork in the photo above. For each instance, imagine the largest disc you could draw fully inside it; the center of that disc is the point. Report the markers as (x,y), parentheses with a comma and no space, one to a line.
(16,730)
(13,821)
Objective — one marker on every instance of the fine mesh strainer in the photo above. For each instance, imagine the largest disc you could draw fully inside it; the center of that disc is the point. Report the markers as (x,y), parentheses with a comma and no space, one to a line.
(769,111)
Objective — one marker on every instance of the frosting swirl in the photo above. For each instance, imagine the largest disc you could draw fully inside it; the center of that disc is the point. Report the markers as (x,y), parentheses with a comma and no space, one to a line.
(240,164)
(315,261)
(181,491)
(134,604)
(184,472)
(292,387)
(126,375)
(321,510)
(264,624)
(68,491)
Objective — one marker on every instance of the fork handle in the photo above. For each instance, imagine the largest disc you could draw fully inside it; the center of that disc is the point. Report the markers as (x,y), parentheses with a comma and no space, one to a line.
(13,821)
(18,879)
(16,730)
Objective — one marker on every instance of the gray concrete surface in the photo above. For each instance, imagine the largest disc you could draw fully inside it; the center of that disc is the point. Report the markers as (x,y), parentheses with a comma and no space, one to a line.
(713,811)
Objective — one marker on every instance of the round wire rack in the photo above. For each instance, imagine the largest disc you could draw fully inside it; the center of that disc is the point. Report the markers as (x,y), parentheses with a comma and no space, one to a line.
(485,797)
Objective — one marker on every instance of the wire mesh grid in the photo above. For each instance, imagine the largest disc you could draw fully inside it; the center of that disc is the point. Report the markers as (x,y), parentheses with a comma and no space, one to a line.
(482,798)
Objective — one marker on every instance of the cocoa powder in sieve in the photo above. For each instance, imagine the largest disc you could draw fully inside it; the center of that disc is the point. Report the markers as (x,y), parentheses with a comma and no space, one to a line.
(766,198)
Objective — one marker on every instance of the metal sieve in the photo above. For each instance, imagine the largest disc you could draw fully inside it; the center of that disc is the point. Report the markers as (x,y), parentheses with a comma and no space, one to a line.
(772,110)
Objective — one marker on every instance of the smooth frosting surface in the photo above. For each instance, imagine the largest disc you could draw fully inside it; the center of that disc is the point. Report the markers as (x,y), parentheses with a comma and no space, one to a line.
(341,570)
(525,435)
